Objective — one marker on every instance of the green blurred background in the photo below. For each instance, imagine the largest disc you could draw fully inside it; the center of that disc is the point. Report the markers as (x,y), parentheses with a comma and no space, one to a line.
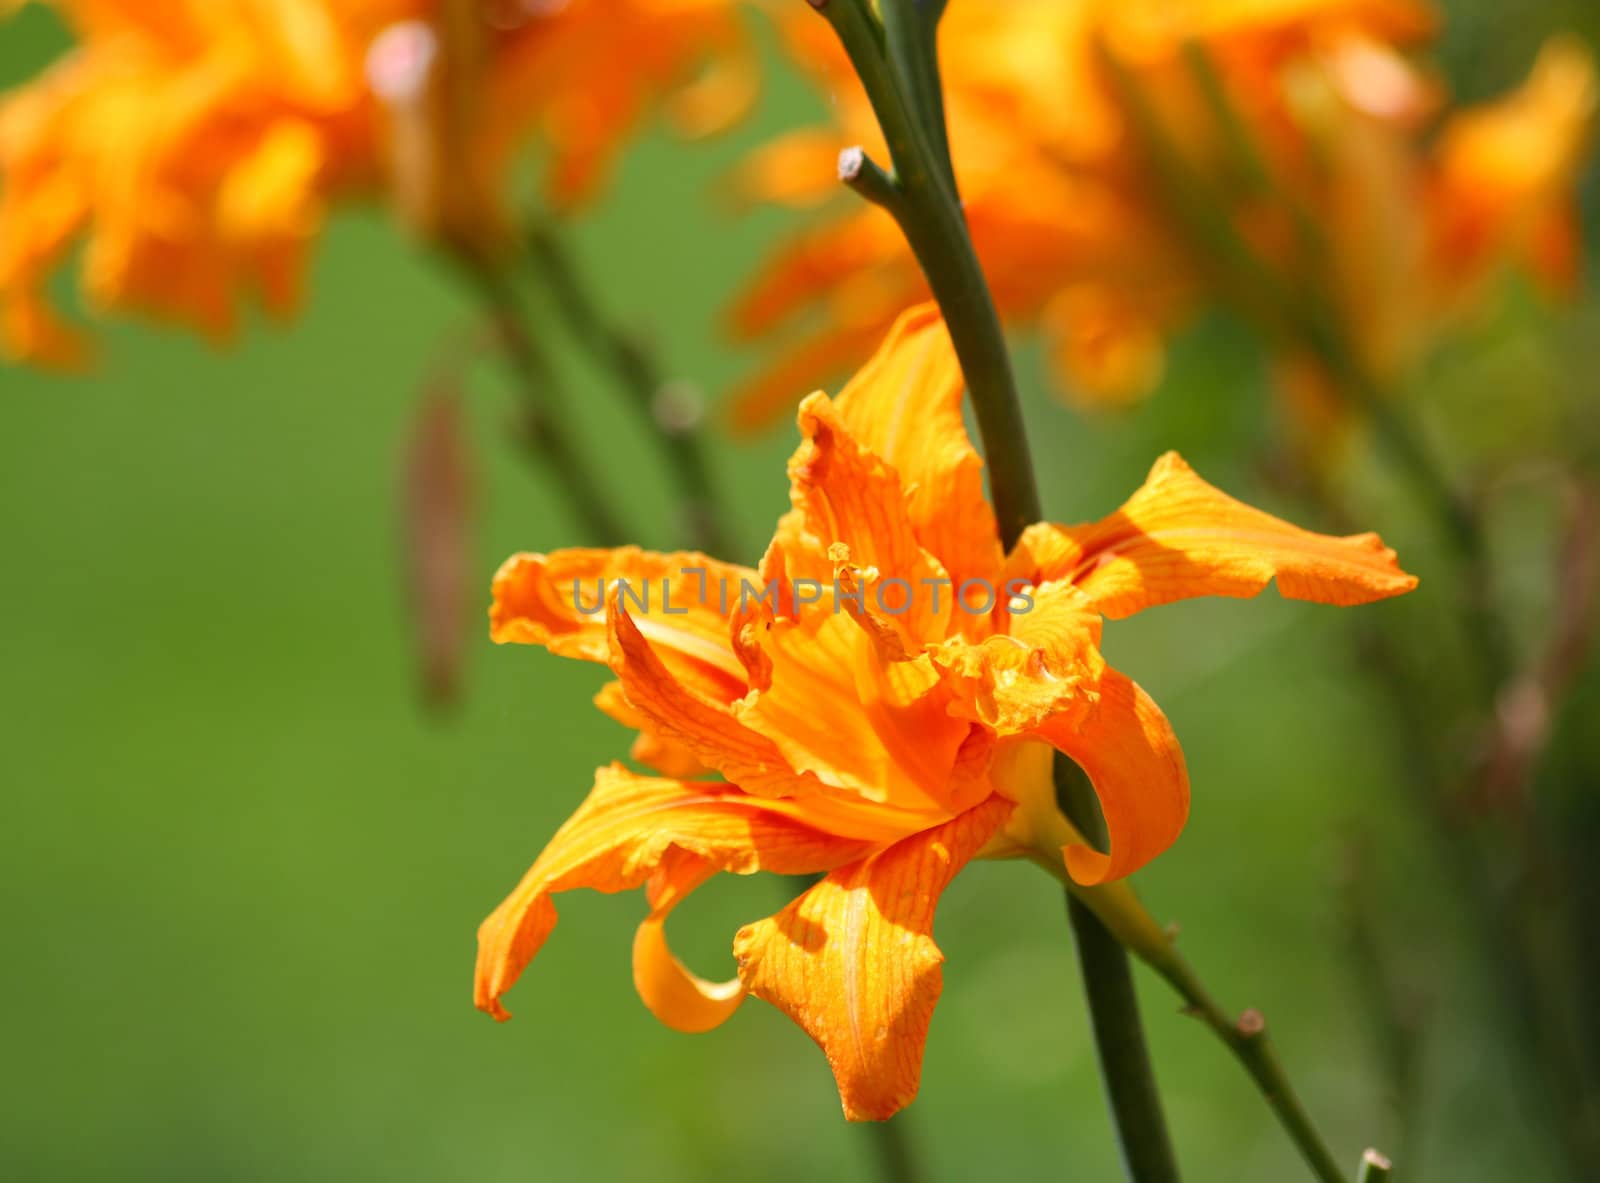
(243,870)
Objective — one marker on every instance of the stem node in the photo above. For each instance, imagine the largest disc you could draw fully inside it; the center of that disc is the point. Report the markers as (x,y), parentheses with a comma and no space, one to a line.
(1375,1168)
(863,176)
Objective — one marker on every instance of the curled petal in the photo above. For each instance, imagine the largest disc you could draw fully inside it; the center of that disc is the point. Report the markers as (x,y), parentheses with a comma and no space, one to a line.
(675,994)
(853,960)
(1178,537)
(1129,751)
(620,836)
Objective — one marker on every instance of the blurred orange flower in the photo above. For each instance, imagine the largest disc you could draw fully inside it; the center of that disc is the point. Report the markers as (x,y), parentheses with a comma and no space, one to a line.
(881,698)
(195,147)
(1504,181)
(1101,147)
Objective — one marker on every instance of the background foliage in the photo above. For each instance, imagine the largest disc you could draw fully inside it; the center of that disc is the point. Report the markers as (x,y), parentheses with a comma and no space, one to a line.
(243,873)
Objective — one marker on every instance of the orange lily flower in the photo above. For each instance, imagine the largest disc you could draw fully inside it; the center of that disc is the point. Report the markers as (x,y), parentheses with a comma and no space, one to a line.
(192,143)
(1303,119)
(197,145)
(877,703)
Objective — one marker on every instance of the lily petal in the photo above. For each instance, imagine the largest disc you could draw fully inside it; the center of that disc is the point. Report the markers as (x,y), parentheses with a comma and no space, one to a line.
(675,994)
(620,836)
(1178,537)
(697,724)
(1045,667)
(846,495)
(835,708)
(905,407)
(666,756)
(1127,747)
(853,960)
(682,602)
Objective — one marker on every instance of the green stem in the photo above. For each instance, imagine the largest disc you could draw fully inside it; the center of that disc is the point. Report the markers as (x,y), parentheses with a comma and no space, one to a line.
(1247,1039)
(896,62)
(545,433)
(1131,1088)
(911,34)
(1119,909)
(1114,1007)
(930,216)
(637,374)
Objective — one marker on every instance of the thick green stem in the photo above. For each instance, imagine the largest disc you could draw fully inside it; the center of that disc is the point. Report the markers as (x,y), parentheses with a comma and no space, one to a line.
(1113,1005)
(897,64)
(544,431)
(1119,1035)
(636,373)
(930,215)
(911,34)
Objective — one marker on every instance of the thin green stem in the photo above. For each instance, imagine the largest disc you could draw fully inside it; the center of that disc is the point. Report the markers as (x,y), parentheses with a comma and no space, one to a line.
(1247,1039)
(639,377)
(544,431)
(1119,909)
(897,64)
